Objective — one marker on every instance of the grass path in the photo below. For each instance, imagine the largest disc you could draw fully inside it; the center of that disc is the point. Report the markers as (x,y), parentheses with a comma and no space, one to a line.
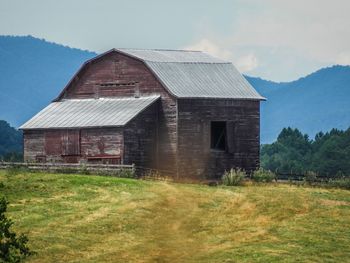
(72,218)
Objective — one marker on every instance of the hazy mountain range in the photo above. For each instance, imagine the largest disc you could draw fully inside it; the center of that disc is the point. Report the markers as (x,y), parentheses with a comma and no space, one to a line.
(33,71)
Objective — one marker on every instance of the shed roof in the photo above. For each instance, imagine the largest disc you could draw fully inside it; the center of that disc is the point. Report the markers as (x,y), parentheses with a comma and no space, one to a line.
(195,74)
(88,113)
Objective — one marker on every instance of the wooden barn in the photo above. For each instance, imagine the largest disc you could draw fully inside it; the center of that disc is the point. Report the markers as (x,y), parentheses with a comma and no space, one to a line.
(184,112)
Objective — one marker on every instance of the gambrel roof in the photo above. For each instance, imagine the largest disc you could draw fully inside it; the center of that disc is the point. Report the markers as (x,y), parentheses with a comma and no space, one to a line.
(192,74)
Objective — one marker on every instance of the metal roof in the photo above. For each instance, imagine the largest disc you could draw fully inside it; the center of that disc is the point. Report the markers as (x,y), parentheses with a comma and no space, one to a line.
(167,55)
(195,74)
(85,113)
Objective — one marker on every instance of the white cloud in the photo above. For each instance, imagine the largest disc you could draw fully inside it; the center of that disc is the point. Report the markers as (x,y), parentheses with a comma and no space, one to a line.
(210,47)
(247,63)
(244,62)
(283,40)
(315,28)
(343,58)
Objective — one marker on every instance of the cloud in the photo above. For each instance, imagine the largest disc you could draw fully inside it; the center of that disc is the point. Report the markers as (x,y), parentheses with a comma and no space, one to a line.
(210,47)
(315,28)
(283,40)
(244,62)
(343,58)
(247,63)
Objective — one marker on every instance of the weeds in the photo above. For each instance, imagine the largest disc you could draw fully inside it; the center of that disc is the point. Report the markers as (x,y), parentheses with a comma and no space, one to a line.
(263,176)
(310,177)
(340,183)
(233,177)
(127,173)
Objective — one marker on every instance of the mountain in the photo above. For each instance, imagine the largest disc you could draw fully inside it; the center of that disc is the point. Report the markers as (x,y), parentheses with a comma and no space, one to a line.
(10,139)
(317,102)
(33,72)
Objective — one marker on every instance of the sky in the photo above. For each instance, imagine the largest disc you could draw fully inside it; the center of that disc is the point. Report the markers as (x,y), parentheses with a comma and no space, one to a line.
(279,40)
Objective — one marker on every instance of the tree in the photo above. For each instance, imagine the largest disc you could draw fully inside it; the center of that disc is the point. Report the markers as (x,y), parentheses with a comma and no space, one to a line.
(328,154)
(13,248)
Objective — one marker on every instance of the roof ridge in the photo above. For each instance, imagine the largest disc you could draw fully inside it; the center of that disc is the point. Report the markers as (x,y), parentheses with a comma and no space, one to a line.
(113,98)
(186,62)
(161,49)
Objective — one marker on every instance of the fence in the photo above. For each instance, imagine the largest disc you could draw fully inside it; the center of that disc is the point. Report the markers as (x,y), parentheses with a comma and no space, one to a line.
(99,169)
(124,170)
(303,177)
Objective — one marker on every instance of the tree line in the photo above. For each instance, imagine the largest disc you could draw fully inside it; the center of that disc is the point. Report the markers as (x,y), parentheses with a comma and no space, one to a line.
(11,143)
(328,154)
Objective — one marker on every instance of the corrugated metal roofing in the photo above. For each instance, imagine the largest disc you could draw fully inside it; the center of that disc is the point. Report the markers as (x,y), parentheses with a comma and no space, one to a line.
(166,55)
(103,112)
(195,74)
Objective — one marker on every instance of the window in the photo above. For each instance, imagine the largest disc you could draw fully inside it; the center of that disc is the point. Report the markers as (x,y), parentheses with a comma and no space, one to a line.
(218,135)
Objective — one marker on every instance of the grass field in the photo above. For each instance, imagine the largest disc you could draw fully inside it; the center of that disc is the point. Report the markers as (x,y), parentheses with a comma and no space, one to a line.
(74,218)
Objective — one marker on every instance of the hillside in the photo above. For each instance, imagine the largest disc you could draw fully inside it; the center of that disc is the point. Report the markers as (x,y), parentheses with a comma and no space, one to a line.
(10,139)
(102,219)
(317,102)
(33,72)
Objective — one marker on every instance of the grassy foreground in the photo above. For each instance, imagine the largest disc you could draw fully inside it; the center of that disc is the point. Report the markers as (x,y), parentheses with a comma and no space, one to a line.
(74,218)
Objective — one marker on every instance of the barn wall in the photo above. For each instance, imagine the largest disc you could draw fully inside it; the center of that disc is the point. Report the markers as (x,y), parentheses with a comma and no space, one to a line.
(196,159)
(102,142)
(34,145)
(141,137)
(125,76)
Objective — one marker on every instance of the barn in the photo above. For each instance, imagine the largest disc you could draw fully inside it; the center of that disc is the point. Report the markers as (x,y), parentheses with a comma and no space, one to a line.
(182,112)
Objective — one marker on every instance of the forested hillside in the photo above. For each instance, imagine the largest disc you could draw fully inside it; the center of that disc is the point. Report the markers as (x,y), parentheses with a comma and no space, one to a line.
(317,102)
(328,154)
(10,142)
(33,72)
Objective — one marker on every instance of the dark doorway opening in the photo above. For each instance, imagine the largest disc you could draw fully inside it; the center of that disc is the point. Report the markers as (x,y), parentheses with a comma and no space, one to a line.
(218,135)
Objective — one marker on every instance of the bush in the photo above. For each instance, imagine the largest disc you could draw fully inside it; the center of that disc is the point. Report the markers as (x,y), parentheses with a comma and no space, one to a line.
(84,170)
(310,177)
(15,170)
(340,183)
(12,248)
(263,176)
(233,177)
(127,173)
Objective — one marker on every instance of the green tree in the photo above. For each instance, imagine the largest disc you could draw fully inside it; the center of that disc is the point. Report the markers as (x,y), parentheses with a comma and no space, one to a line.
(13,248)
(328,154)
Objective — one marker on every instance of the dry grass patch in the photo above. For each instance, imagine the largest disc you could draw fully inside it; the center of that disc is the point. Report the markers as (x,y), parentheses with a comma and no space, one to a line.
(73,218)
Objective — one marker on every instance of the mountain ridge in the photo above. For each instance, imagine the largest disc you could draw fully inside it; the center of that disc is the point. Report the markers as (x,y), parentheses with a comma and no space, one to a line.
(34,71)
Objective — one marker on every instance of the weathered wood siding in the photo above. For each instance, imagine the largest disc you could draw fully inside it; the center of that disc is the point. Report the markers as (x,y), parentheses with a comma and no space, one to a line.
(141,139)
(195,157)
(118,75)
(33,145)
(59,146)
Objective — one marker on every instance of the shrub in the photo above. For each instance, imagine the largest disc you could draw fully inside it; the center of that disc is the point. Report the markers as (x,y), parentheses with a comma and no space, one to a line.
(310,177)
(233,177)
(84,170)
(127,173)
(153,174)
(12,248)
(340,183)
(15,170)
(66,170)
(263,176)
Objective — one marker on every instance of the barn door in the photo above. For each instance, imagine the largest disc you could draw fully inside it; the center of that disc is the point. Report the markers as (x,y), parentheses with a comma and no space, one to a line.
(71,142)
(230,131)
